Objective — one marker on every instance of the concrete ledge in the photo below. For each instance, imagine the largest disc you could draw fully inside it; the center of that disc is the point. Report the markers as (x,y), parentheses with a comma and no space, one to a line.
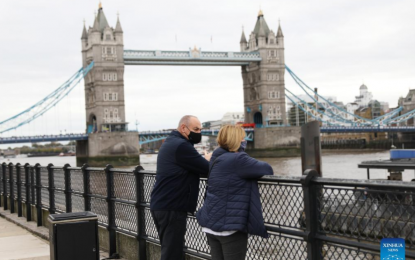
(274,152)
(102,161)
(31,226)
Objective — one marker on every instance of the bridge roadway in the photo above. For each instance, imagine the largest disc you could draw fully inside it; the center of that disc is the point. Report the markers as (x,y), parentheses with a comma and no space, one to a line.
(145,137)
(191,57)
(153,136)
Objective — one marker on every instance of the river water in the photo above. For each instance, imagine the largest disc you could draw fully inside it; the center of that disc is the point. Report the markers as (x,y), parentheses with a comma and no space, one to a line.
(336,164)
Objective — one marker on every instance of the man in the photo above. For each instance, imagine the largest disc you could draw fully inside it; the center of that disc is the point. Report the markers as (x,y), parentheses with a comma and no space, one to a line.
(175,192)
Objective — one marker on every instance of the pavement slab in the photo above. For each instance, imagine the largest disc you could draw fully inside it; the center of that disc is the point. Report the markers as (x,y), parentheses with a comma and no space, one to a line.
(22,240)
(17,243)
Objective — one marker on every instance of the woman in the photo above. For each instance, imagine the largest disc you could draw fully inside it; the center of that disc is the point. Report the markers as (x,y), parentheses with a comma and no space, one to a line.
(232,207)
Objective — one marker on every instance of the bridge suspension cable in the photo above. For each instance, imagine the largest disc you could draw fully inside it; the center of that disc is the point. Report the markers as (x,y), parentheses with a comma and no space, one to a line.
(340,115)
(402,118)
(311,110)
(328,105)
(335,117)
(45,104)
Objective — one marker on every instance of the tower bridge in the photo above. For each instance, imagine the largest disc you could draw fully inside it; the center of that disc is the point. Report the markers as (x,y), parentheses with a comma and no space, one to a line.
(261,57)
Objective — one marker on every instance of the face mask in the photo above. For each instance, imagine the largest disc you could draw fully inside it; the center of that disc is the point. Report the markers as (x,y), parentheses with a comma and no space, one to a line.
(243,146)
(194,138)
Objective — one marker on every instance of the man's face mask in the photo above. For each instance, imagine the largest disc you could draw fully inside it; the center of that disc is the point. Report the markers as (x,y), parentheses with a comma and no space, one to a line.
(194,137)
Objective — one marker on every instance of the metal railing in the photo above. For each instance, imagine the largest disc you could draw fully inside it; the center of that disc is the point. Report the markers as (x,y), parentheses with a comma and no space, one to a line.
(306,217)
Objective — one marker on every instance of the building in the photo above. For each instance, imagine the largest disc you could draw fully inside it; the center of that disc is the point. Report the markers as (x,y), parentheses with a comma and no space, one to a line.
(297,117)
(351,108)
(232,118)
(264,87)
(376,108)
(384,106)
(365,96)
(229,118)
(408,104)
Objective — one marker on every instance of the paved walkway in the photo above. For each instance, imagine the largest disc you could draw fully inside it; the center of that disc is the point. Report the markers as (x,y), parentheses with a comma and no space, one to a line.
(18,243)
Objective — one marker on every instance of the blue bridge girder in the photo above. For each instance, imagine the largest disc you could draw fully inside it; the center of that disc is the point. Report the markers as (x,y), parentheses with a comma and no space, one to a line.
(191,57)
(154,136)
(367,129)
(144,137)
(42,138)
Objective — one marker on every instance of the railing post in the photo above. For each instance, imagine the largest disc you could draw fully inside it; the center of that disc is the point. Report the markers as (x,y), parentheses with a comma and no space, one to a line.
(311,196)
(38,187)
(68,188)
(1,183)
(11,191)
(28,191)
(3,166)
(33,185)
(19,189)
(142,252)
(51,189)
(111,211)
(87,187)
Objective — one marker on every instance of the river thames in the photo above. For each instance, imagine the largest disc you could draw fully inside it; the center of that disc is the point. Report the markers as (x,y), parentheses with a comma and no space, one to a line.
(336,164)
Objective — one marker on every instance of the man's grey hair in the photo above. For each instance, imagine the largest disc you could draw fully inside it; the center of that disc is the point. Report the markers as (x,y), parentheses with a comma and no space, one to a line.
(185,120)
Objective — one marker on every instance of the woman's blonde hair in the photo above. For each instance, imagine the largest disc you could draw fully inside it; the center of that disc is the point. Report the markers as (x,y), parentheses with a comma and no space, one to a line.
(230,137)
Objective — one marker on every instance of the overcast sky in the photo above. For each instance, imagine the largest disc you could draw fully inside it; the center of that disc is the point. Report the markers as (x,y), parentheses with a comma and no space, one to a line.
(332,45)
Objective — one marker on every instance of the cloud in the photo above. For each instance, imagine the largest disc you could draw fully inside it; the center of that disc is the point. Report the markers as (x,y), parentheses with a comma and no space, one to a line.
(332,45)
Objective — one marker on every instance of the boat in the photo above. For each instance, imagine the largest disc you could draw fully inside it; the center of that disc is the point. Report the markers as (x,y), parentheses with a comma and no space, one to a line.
(69,153)
(10,154)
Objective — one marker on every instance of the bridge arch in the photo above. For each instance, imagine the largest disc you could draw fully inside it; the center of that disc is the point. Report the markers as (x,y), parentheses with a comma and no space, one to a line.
(258,118)
(92,124)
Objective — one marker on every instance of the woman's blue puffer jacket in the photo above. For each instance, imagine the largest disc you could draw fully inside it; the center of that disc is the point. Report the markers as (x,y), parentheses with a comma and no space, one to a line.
(232,201)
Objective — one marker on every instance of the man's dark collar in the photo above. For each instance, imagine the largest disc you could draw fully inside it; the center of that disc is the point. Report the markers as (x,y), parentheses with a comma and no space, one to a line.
(178,134)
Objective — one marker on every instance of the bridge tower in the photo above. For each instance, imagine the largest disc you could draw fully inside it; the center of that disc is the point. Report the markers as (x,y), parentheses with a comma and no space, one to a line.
(263,82)
(104,96)
(104,85)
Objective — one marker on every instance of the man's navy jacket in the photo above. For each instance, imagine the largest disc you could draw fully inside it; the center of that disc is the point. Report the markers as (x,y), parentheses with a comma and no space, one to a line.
(179,166)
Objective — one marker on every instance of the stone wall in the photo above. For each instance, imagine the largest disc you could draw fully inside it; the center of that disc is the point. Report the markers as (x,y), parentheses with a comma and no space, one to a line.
(116,148)
(273,137)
